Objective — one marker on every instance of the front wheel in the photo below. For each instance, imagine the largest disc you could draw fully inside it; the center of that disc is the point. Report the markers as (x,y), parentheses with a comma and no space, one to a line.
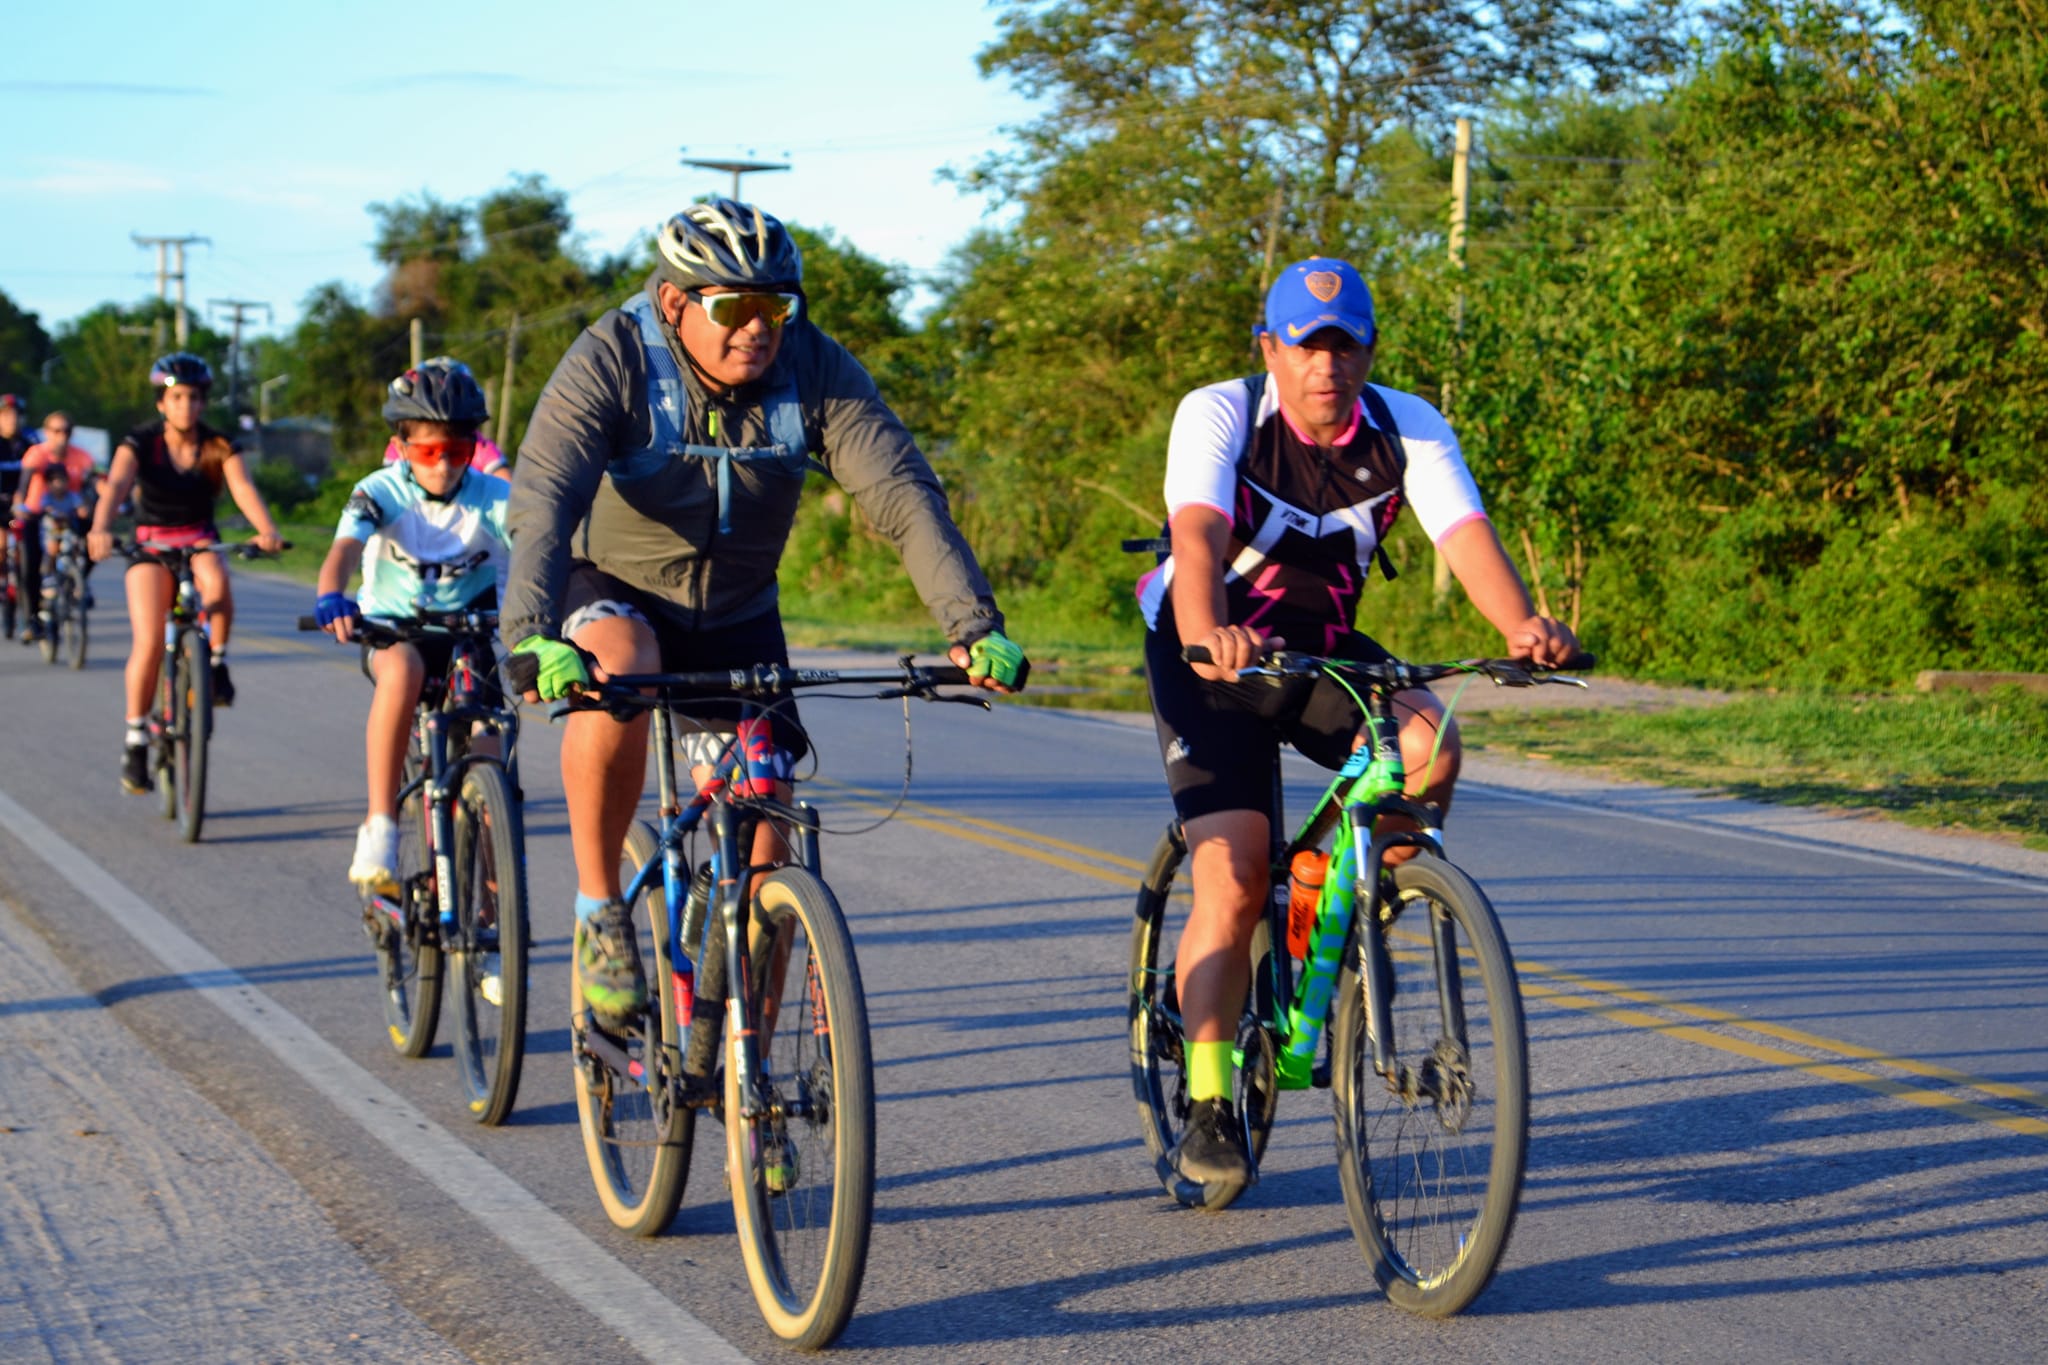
(489,955)
(55,608)
(194,727)
(802,1164)
(637,1135)
(1158,1048)
(74,638)
(1430,1152)
(406,925)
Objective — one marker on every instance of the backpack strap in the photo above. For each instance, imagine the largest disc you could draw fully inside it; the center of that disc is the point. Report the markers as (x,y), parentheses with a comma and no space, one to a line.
(1383,418)
(665,409)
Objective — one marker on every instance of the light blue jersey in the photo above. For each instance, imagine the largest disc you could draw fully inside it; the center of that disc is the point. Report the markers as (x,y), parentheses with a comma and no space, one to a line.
(423,554)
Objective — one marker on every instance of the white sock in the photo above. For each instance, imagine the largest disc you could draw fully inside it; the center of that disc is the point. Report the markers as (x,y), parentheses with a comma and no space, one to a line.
(138,730)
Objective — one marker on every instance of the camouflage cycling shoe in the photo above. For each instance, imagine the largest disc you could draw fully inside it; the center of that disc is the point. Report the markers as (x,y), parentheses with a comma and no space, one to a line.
(608,967)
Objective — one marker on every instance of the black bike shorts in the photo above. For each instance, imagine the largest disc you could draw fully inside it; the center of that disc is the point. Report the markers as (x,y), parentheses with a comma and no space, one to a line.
(437,652)
(592,595)
(1221,740)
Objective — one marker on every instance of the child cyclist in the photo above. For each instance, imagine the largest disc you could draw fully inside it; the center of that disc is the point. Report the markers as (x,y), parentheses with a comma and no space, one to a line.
(429,536)
(489,459)
(176,468)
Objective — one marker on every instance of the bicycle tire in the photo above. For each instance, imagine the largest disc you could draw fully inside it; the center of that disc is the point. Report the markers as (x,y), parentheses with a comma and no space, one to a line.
(636,1138)
(1432,1185)
(804,1219)
(1158,1078)
(190,742)
(489,953)
(53,621)
(10,591)
(75,635)
(409,947)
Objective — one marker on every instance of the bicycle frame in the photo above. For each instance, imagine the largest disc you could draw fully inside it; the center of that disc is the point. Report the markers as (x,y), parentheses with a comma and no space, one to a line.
(733,879)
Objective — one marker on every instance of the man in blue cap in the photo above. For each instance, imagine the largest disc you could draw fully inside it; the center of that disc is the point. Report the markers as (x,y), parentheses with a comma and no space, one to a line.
(1280,491)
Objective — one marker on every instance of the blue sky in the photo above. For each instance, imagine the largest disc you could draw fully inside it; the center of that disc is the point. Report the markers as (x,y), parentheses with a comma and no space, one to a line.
(268,126)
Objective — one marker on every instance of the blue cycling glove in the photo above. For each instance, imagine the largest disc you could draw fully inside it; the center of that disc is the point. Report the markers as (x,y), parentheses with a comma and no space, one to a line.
(333,606)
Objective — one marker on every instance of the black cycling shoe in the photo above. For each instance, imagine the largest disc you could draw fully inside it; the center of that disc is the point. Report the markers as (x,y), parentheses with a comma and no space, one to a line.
(135,769)
(1213,1147)
(223,685)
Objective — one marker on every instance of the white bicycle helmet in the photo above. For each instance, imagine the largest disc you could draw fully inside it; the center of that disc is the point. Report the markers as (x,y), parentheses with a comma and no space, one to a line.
(730,244)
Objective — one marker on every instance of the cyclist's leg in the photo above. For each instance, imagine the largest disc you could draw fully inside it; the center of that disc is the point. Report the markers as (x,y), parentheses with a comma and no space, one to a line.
(399,674)
(604,759)
(1231,878)
(149,602)
(210,576)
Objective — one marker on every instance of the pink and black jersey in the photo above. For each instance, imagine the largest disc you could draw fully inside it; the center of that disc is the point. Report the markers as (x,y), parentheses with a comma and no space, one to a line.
(1306,524)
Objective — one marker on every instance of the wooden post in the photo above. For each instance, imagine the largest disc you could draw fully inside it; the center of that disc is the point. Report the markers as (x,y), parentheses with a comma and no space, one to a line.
(503,421)
(1461,183)
(419,342)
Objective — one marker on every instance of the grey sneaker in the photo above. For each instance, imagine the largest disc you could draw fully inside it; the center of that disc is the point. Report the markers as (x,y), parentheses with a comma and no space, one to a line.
(608,967)
(1213,1148)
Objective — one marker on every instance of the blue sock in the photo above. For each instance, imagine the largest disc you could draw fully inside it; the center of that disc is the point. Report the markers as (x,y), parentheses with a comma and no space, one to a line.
(586,906)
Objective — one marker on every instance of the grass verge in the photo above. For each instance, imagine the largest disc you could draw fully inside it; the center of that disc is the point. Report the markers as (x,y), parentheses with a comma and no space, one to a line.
(1943,760)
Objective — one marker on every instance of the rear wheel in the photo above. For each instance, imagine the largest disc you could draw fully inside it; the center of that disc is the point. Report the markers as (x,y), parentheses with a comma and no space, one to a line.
(802,1165)
(407,926)
(1430,1154)
(74,627)
(1158,1059)
(488,957)
(195,691)
(10,589)
(636,1137)
(54,611)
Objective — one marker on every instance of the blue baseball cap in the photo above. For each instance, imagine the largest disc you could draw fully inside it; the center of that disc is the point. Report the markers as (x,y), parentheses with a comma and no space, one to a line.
(1319,292)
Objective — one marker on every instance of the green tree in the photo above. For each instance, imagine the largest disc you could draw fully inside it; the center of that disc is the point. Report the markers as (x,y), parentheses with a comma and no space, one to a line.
(100,373)
(24,346)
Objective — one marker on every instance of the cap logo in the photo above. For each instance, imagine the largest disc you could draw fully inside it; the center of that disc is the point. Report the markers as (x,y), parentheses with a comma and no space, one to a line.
(1324,284)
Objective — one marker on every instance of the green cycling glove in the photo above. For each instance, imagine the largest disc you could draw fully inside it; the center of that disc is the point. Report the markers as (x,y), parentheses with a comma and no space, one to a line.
(1000,658)
(549,667)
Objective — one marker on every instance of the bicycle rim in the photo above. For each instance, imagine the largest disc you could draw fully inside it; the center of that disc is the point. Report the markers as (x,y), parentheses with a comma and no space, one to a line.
(1158,1059)
(408,949)
(489,958)
(635,1137)
(189,761)
(53,626)
(803,1167)
(74,637)
(1431,1159)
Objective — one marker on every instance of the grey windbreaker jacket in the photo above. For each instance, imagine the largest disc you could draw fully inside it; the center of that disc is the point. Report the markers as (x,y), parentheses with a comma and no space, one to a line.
(664,537)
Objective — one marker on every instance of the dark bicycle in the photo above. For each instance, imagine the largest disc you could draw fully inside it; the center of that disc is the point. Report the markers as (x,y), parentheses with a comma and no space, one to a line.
(796,1093)
(64,593)
(1403,970)
(459,904)
(182,723)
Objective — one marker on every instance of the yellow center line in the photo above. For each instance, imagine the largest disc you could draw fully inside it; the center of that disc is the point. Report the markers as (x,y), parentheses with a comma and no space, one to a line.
(1572,990)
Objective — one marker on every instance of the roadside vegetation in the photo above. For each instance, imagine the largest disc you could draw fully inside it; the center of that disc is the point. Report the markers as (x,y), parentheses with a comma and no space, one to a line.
(1747,348)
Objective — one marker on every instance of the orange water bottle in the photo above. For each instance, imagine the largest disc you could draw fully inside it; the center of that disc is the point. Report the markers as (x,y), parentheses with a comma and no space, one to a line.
(1304,888)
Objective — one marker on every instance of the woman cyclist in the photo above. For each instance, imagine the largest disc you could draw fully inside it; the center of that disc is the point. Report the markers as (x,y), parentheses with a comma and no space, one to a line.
(176,468)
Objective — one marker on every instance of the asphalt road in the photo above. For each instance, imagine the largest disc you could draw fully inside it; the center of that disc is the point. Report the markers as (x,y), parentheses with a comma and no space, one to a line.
(1791,1097)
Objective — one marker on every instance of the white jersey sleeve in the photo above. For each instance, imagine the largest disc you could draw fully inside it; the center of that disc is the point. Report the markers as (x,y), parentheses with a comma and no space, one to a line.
(1438,485)
(1201,453)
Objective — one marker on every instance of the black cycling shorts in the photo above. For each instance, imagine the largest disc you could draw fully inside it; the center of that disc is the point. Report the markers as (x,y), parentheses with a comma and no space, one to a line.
(1221,740)
(593,595)
(437,652)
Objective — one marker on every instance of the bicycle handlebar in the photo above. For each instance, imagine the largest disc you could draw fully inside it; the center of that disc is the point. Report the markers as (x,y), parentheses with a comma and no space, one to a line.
(247,549)
(1399,674)
(765,682)
(379,631)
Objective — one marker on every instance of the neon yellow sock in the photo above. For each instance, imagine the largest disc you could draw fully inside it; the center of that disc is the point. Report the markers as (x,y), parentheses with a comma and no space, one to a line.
(1211,1070)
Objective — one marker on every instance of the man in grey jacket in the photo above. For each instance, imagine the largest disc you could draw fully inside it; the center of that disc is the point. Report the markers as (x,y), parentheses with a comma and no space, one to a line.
(654,494)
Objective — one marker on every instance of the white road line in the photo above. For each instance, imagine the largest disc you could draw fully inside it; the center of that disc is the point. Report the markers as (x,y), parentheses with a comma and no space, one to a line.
(641,1314)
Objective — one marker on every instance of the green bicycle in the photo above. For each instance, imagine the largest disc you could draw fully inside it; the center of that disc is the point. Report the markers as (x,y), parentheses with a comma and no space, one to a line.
(1400,997)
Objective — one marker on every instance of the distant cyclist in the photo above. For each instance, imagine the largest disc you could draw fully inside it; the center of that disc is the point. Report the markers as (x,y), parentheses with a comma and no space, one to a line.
(657,487)
(177,469)
(428,535)
(14,443)
(55,451)
(489,459)
(1280,490)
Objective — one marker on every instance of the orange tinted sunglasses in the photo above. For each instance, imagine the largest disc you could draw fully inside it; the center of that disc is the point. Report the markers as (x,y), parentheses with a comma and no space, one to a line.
(455,450)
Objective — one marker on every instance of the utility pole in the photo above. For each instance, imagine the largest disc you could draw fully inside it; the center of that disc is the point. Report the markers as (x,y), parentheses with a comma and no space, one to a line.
(164,275)
(502,422)
(1461,191)
(263,397)
(419,342)
(738,168)
(1273,213)
(240,309)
